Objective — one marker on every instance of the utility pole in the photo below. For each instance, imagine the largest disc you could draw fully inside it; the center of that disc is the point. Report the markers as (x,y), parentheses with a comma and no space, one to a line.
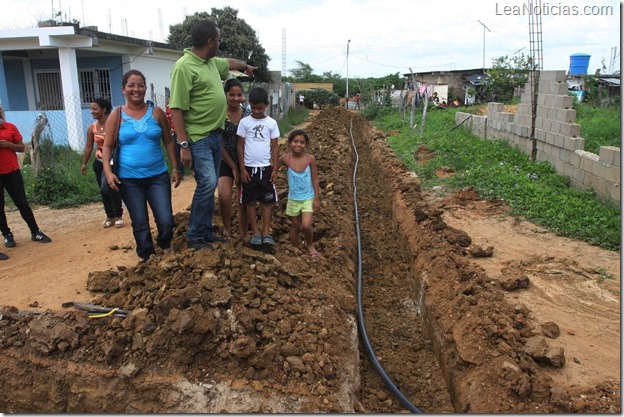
(484,27)
(347,98)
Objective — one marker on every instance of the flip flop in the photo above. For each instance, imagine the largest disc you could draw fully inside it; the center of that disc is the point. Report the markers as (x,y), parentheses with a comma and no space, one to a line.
(314,253)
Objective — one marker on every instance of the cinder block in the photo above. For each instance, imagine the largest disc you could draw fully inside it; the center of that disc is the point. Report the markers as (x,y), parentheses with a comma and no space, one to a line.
(599,169)
(565,155)
(575,159)
(610,155)
(559,75)
(555,127)
(586,162)
(559,165)
(573,144)
(568,169)
(566,115)
(507,117)
(495,107)
(563,102)
(613,174)
(560,88)
(540,135)
(570,129)
(614,193)
(579,176)
(523,108)
(550,138)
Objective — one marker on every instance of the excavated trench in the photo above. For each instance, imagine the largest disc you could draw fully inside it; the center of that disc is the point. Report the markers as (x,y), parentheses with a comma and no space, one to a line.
(238,330)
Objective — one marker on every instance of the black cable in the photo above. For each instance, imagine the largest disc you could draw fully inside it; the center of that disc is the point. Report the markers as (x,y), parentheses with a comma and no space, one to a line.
(369,349)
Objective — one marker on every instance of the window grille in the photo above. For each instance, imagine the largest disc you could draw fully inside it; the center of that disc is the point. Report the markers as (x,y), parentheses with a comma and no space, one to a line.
(94,83)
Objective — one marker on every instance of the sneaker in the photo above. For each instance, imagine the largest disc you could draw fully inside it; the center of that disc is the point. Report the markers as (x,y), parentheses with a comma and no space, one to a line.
(3,257)
(119,223)
(40,237)
(211,237)
(107,223)
(268,240)
(9,242)
(256,240)
(199,244)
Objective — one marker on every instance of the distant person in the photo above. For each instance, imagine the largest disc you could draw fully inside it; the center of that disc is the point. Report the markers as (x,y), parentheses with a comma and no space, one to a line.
(435,98)
(301,100)
(357,101)
(12,181)
(303,188)
(100,109)
(198,109)
(258,150)
(143,177)
(229,174)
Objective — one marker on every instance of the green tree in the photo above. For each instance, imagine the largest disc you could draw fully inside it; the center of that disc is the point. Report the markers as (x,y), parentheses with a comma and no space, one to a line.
(238,39)
(505,75)
(303,74)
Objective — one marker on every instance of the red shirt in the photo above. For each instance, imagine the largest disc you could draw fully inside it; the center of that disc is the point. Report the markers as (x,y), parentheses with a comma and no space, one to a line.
(8,157)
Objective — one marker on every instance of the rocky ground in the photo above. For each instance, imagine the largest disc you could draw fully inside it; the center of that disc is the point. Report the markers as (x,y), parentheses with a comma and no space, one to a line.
(463,315)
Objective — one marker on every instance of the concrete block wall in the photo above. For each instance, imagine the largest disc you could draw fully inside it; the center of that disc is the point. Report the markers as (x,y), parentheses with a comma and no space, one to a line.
(557,134)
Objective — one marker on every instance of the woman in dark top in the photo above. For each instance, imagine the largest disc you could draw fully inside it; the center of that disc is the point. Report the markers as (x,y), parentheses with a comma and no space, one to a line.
(229,172)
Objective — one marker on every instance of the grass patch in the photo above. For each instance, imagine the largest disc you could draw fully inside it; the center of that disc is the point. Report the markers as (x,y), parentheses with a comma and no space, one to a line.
(600,126)
(495,169)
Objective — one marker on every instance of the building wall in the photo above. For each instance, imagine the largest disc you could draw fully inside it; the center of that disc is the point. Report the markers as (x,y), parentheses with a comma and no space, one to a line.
(455,81)
(557,134)
(309,86)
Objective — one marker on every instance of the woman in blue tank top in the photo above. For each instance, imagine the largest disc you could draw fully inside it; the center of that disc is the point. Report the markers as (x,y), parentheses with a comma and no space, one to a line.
(143,177)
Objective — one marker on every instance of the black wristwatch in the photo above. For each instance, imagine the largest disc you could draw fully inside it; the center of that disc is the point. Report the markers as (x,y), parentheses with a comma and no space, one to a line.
(184,145)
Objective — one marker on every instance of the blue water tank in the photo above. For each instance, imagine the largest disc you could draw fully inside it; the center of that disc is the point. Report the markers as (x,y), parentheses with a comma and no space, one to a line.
(579,64)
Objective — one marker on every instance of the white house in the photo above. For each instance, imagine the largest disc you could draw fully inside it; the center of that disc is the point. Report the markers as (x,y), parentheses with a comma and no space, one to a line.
(59,70)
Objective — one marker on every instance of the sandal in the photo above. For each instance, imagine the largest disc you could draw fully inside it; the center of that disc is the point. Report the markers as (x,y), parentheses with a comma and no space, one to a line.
(107,223)
(314,254)
(119,222)
(256,240)
(268,240)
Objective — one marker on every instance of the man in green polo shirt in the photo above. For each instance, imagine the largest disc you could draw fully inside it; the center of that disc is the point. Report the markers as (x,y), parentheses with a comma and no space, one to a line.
(198,108)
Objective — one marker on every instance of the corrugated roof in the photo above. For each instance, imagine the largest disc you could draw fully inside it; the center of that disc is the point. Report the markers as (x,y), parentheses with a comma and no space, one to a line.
(476,79)
(610,81)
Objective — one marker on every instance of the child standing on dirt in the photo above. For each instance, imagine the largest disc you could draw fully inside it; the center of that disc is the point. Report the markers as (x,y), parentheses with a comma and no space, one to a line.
(303,184)
(257,155)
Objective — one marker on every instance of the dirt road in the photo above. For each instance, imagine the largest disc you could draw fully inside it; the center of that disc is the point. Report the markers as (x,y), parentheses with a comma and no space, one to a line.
(538,277)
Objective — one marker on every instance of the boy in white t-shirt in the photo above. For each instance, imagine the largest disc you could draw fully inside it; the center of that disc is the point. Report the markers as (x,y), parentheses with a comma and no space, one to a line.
(257,149)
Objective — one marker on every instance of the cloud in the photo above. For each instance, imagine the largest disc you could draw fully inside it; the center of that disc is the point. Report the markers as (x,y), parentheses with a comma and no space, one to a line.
(386,37)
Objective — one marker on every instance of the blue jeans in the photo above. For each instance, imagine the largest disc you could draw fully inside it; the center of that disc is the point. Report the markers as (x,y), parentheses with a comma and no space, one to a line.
(206,161)
(155,191)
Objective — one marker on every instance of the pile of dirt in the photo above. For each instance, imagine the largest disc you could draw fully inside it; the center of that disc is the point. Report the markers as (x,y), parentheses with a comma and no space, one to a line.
(240,330)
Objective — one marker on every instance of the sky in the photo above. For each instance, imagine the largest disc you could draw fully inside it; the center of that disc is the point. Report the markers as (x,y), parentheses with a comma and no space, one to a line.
(369,38)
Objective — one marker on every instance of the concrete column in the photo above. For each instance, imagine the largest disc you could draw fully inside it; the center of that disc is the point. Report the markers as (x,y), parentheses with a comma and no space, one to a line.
(71,97)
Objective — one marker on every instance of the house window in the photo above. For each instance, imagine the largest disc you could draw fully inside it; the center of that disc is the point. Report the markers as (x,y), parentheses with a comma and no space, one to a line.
(94,83)
(49,91)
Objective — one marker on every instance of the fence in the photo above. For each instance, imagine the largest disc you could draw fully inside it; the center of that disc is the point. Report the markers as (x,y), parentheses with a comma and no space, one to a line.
(558,137)
(68,127)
